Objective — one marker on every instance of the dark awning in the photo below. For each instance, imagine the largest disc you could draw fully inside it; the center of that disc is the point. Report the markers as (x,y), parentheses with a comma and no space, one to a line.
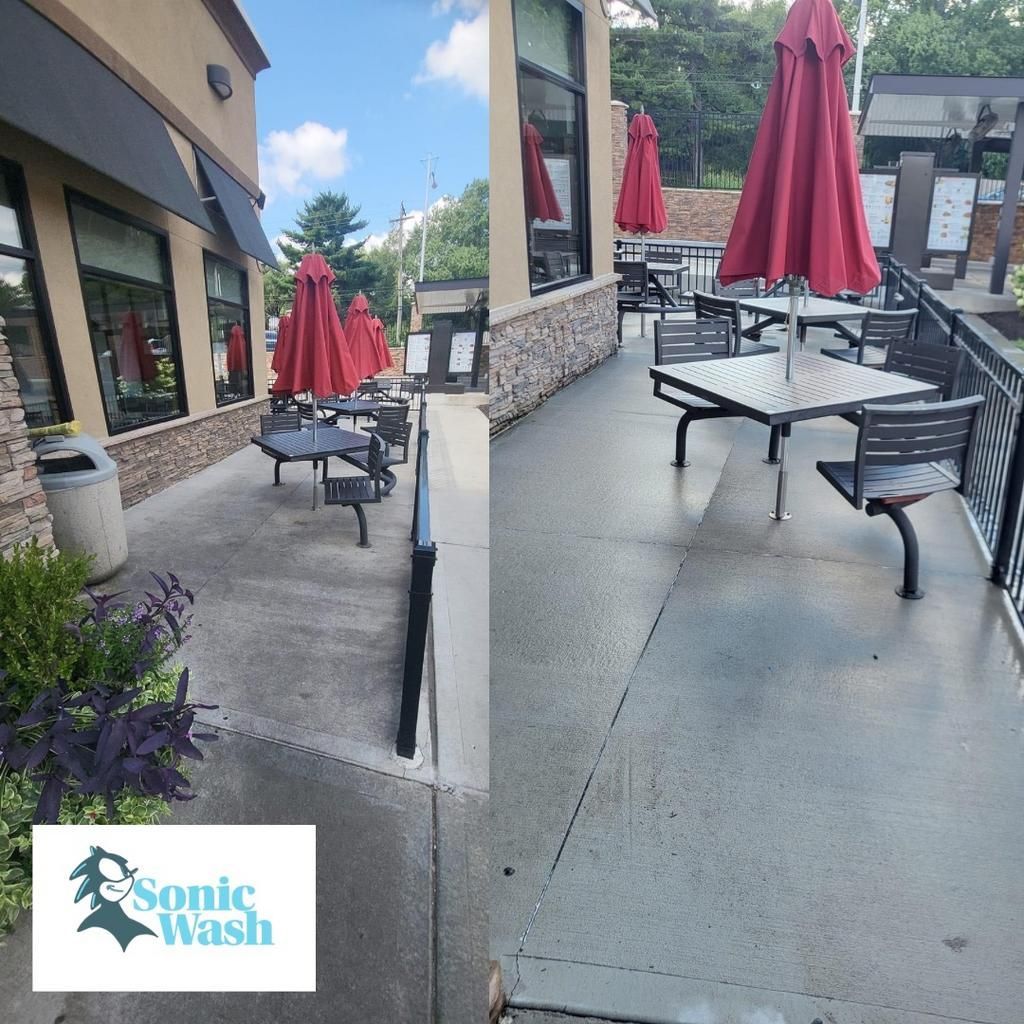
(455,296)
(56,91)
(236,204)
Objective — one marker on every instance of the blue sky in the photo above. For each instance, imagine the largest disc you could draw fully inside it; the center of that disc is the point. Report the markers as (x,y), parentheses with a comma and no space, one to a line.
(359,91)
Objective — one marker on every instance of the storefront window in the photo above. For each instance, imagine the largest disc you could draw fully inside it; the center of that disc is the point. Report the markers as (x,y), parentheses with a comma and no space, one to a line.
(552,105)
(129,305)
(27,328)
(228,307)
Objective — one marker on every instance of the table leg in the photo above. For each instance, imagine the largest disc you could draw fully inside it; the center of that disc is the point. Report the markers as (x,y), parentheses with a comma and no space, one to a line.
(779,513)
(803,336)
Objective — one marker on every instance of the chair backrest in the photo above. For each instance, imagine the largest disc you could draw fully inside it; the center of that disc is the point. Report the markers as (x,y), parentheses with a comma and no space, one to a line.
(634,277)
(554,265)
(910,435)
(709,307)
(278,422)
(884,326)
(375,461)
(934,364)
(684,341)
(739,289)
(393,415)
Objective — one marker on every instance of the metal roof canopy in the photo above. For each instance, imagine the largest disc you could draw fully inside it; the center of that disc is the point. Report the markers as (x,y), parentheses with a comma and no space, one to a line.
(457,296)
(930,106)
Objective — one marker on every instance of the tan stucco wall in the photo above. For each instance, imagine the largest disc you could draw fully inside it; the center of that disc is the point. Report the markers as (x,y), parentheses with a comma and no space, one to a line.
(169,43)
(509,265)
(46,173)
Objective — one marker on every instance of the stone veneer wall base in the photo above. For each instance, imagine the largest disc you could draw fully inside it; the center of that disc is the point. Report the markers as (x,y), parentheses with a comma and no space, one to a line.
(23,510)
(538,351)
(150,461)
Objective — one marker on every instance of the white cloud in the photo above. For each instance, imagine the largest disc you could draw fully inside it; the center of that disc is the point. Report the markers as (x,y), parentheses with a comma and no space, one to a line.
(462,58)
(372,242)
(292,161)
(447,6)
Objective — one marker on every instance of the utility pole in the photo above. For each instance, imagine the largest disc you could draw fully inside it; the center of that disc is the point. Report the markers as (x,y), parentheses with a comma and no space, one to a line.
(858,65)
(430,183)
(400,221)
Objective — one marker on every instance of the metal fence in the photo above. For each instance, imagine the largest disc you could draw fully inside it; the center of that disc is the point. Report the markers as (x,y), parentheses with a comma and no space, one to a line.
(424,555)
(705,149)
(995,491)
(703,258)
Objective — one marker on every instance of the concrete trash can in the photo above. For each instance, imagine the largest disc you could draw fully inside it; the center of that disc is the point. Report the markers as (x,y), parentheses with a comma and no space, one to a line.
(80,481)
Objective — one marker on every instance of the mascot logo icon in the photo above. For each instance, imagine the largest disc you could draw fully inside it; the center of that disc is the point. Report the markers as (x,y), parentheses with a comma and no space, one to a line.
(107,879)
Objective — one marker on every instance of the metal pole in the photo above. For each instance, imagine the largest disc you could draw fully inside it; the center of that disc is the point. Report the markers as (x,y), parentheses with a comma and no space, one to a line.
(1004,233)
(398,318)
(426,204)
(794,300)
(858,65)
(779,513)
(315,417)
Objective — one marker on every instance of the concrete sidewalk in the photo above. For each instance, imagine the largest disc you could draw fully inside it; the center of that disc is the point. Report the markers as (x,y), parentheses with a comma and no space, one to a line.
(299,637)
(736,778)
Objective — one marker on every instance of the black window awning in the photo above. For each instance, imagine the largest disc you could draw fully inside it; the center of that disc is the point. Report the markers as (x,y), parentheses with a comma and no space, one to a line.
(56,91)
(237,207)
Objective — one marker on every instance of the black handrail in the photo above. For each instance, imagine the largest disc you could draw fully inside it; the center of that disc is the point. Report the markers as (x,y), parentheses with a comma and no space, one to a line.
(424,556)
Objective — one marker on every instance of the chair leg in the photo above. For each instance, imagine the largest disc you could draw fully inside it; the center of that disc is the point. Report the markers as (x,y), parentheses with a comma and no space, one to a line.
(622,316)
(911,561)
(364,539)
(390,480)
(773,447)
(323,475)
(681,428)
(277,472)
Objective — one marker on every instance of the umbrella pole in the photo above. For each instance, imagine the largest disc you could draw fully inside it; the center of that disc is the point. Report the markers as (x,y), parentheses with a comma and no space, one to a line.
(315,416)
(791,328)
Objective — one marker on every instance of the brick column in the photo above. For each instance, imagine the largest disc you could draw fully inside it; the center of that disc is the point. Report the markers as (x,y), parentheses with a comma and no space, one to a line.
(23,511)
(620,128)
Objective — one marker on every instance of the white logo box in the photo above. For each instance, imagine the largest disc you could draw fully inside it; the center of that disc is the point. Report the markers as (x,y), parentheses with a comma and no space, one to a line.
(232,908)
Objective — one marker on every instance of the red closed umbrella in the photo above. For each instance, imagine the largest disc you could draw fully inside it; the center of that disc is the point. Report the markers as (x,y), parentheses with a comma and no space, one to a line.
(380,339)
(800,213)
(541,201)
(359,335)
(281,346)
(641,206)
(135,359)
(238,351)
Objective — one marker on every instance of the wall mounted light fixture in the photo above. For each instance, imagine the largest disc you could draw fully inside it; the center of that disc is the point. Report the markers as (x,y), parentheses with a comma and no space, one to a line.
(219,79)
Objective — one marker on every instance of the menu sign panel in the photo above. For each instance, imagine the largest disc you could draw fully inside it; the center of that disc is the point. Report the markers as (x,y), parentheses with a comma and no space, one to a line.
(460,360)
(949,226)
(561,184)
(878,192)
(417,354)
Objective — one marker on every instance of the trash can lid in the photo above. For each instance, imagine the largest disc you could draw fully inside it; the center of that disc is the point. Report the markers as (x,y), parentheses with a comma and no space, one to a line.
(88,463)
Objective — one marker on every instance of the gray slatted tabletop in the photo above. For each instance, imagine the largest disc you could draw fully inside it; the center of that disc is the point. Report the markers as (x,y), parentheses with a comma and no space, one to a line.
(297,445)
(815,311)
(757,388)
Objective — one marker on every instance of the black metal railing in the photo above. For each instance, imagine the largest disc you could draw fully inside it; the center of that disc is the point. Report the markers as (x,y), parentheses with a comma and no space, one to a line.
(995,491)
(705,149)
(424,555)
(703,258)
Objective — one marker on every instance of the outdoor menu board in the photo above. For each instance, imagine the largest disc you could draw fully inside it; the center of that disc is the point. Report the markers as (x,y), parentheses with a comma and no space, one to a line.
(463,348)
(558,172)
(417,354)
(878,192)
(949,226)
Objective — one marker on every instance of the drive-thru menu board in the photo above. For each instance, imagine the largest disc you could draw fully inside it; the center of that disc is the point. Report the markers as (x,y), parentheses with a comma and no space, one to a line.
(460,360)
(417,354)
(878,191)
(949,226)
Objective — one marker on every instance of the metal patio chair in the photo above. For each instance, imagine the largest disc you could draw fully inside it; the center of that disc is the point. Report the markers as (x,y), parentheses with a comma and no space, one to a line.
(905,454)
(276,423)
(880,328)
(357,491)
(750,289)
(708,306)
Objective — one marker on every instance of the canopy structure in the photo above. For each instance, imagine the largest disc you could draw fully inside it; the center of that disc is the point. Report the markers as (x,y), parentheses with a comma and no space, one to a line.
(977,108)
(56,91)
(460,296)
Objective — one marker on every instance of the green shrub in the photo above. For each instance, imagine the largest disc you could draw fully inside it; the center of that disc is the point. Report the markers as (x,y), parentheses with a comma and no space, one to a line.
(1017,286)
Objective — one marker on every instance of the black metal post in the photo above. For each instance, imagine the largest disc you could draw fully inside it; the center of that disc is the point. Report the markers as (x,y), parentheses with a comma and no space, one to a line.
(1008,211)
(1011,507)
(420,592)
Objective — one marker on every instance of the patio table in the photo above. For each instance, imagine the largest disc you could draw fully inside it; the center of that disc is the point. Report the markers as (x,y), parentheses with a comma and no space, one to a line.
(758,389)
(354,407)
(812,312)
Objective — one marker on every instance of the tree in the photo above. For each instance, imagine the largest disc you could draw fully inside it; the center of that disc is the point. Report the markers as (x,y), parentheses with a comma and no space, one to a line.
(457,247)
(323,225)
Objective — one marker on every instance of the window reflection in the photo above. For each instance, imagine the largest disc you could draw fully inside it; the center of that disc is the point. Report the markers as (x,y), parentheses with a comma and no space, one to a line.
(228,308)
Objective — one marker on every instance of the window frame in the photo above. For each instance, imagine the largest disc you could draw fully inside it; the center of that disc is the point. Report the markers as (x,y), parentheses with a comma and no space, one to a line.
(14,177)
(579,89)
(210,256)
(72,197)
